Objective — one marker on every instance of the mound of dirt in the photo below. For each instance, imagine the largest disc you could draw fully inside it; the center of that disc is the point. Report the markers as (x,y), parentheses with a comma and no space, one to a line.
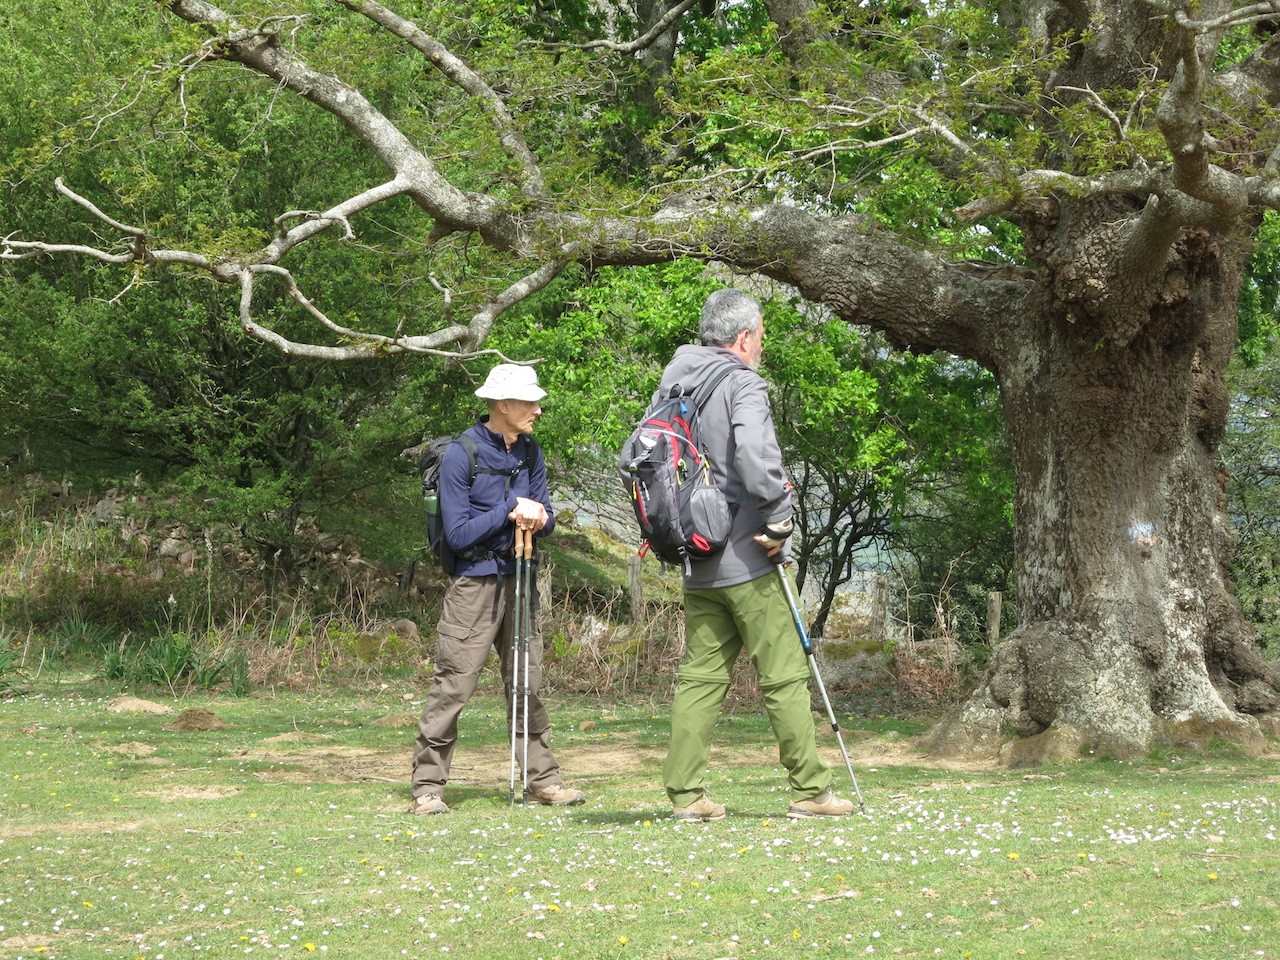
(396,721)
(134,705)
(197,719)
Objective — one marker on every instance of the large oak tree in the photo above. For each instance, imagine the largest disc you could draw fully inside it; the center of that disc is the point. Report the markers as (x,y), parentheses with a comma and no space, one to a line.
(1064,192)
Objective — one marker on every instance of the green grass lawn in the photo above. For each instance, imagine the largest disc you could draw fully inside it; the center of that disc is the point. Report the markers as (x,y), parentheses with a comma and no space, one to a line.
(285,833)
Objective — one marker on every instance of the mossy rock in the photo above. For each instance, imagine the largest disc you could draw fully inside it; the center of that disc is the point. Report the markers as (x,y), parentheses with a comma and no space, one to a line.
(848,649)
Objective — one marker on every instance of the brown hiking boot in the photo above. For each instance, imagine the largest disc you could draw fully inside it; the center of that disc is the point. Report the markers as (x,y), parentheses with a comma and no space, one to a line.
(428,803)
(825,804)
(558,795)
(699,811)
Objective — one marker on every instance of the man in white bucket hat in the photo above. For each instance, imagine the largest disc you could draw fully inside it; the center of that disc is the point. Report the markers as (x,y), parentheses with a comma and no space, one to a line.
(482,505)
(511,381)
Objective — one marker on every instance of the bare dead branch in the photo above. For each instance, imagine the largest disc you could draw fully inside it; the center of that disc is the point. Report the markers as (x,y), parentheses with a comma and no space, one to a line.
(359,345)
(134,281)
(315,223)
(952,139)
(269,24)
(1268,10)
(106,116)
(139,252)
(365,345)
(482,321)
(456,70)
(445,292)
(283,344)
(849,146)
(15,249)
(114,224)
(640,43)
(313,216)
(429,188)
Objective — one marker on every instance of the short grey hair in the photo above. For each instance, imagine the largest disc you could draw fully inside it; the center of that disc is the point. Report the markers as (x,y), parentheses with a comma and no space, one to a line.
(726,314)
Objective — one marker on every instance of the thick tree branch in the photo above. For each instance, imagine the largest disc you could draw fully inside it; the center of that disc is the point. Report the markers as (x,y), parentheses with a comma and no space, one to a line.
(260,51)
(900,295)
(1256,78)
(1048,184)
(851,265)
(359,345)
(1183,124)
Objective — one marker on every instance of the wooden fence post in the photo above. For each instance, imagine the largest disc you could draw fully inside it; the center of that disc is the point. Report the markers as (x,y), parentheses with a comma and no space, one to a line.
(995,601)
(880,609)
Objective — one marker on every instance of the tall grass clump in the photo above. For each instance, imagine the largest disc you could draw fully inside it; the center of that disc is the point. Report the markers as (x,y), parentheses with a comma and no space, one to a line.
(104,587)
(68,576)
(148,603)
(10,660)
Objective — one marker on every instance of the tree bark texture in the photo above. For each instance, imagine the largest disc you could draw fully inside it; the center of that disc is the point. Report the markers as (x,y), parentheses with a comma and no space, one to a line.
(1129,632)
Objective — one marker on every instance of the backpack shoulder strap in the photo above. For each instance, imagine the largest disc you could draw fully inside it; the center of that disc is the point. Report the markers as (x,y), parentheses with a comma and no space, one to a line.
(468,444)
(531,451)
(703,393)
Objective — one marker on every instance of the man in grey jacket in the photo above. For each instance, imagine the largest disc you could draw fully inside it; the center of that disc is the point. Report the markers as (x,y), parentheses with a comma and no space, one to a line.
(734,599)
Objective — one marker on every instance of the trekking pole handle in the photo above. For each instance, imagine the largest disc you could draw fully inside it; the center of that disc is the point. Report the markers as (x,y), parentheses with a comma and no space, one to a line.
(524,543)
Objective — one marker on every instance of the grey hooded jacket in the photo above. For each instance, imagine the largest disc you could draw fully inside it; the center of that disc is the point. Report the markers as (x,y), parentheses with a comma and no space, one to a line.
(739,440)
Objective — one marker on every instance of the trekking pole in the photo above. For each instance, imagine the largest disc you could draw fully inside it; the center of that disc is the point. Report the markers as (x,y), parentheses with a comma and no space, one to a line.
(515,657)
(530,585)
(813,668)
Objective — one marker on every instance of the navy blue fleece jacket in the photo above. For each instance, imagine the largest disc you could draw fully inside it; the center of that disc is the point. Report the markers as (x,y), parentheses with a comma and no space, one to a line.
(475,514)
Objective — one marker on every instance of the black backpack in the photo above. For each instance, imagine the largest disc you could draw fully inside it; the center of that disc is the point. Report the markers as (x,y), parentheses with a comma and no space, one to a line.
(683,515)
(429,462)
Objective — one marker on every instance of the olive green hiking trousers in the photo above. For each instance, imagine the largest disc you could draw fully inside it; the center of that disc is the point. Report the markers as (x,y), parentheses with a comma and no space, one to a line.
(719,622)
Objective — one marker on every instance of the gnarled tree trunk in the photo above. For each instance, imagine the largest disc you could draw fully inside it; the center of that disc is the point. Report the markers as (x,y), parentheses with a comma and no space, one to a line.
(1115,405)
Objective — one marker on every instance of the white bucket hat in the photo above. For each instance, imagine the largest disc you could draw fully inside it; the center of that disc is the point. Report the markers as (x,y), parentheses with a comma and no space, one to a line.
(510,381)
